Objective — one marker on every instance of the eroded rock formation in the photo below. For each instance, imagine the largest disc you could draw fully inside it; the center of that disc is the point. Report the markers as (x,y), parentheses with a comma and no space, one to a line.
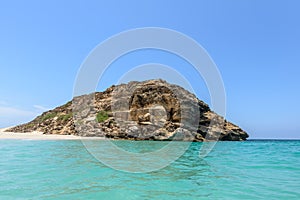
(149,110)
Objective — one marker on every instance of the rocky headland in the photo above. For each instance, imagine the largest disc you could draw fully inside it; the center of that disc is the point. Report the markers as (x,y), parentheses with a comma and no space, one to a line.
(148,110)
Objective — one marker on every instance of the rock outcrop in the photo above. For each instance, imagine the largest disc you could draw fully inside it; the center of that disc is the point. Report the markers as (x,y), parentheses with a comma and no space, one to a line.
(149,110)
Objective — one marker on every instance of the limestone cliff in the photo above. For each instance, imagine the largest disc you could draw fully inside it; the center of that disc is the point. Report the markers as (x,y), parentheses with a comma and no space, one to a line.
(149,110)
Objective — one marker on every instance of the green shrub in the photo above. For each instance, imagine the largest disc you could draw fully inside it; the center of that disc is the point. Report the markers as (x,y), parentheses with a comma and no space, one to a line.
(102,116)
(48,116)
(65,117)
(29,125)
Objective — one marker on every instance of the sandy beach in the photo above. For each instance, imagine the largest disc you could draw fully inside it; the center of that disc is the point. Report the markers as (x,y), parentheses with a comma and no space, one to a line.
(39,136)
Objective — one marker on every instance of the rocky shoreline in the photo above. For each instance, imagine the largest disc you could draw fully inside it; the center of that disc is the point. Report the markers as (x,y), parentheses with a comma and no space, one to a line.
(148,110)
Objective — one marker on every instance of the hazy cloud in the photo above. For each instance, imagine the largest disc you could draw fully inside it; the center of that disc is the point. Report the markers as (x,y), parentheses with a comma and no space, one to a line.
(3,102)
(41,108)
(10,115)
(12,111)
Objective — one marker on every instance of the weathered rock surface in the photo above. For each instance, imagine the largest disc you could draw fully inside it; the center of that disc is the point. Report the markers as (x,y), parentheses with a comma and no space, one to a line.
(149,110)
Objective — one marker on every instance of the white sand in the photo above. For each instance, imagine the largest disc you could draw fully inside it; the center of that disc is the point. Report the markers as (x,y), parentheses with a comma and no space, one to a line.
(39,136)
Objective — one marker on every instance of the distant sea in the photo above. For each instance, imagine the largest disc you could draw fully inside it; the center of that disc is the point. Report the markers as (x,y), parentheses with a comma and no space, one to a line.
(266,169)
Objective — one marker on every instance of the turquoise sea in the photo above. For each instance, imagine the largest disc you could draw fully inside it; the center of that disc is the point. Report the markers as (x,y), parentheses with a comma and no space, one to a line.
(233,170)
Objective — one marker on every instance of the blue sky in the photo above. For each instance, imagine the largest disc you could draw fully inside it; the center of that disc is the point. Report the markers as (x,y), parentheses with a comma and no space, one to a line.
(255,44)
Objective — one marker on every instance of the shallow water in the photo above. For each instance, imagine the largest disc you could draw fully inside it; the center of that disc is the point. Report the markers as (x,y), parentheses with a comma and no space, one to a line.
(233,170)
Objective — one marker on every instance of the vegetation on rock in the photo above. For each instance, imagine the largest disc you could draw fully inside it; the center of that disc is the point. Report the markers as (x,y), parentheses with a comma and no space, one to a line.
(65,117)
(48,116)
(102,116)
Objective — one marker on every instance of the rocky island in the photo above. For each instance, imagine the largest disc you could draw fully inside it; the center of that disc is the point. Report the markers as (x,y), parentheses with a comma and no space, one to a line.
(148,110)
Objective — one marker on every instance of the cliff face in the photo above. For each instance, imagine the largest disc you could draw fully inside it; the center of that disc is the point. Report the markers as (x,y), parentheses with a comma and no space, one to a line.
(149,110)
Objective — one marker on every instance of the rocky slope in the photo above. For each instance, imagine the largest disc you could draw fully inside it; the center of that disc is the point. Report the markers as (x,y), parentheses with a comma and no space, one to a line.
(149,110)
